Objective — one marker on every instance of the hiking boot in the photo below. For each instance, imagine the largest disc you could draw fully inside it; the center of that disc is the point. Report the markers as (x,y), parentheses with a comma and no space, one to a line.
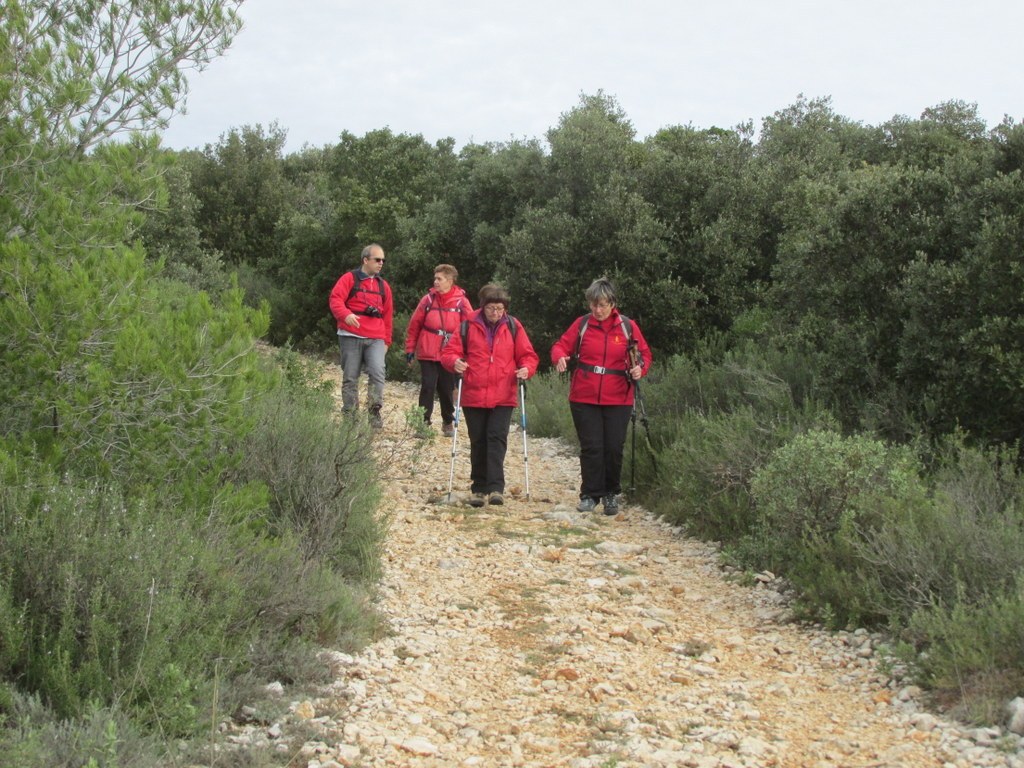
(448,430)
(496,498)
(376,420)
(586,504)
(477,500)
(611,504)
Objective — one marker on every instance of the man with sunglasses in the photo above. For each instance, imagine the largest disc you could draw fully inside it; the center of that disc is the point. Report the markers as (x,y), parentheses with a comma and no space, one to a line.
(361,304)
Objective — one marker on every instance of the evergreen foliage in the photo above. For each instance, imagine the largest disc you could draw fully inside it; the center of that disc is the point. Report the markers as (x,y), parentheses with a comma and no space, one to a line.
(152,569)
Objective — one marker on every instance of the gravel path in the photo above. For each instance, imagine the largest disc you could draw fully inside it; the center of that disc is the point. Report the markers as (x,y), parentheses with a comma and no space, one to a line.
(531,635)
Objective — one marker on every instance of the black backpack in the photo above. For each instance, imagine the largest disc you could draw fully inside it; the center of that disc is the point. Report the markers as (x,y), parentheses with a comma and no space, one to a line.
(357,285)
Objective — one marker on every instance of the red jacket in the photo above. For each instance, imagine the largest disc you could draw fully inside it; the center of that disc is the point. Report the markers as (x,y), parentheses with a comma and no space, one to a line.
(604,344)
(371,291)
(434,320)
(490,380)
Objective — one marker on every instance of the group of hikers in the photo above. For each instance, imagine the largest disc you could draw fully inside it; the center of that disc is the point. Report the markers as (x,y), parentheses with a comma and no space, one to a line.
(477,361)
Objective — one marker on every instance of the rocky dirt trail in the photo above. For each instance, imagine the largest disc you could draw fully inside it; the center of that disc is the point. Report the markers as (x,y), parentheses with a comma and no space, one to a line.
(531,635)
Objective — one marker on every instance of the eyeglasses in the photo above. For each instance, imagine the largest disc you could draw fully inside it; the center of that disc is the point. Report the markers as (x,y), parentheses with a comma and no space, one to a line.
(379,261)
(495,307)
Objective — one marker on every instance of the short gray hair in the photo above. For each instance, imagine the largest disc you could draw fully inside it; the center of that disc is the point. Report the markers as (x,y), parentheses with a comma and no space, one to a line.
(601,290)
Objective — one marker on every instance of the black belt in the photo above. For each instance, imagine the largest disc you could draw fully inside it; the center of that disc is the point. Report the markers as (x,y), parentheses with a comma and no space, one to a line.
(601,369)
(438,331)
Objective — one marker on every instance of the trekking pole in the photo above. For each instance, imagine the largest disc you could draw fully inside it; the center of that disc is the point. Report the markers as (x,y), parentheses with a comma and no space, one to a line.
(522,420)
(633,359)
(632,453)
(455,438)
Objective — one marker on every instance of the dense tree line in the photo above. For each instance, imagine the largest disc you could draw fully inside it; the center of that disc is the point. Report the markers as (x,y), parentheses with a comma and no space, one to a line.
(889,256)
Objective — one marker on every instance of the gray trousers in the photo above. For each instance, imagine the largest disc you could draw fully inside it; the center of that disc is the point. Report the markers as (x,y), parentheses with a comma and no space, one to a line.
(358,354)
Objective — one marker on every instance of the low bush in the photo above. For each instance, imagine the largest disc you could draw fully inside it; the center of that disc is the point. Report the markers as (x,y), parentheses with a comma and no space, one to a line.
(817,499)
(970,653)
(547,407)
(318,471)
(31,735)
(704,475)
(713,423)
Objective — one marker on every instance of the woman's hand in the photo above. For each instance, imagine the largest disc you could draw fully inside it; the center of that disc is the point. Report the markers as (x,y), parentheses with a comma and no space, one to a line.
(460,366)
(562,364)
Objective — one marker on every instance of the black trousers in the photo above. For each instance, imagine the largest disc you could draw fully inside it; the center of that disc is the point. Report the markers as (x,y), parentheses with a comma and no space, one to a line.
(434,378)
(601,430)
(488,442)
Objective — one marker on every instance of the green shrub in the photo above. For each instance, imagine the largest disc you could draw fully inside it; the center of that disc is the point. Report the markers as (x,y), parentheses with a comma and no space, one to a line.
(972,653)
(816,500)
(963,541)
(704,475)
(820,483)
(547,407)
(31,735)
(319,472)
(713,423)
(103,600)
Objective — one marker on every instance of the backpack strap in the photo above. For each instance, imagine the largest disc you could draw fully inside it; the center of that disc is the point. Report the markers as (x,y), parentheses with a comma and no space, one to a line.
(357,285)
(627,330)
(513,328)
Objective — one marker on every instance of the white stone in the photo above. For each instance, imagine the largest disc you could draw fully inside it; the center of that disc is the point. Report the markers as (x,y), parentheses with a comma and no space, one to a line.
(1015,716)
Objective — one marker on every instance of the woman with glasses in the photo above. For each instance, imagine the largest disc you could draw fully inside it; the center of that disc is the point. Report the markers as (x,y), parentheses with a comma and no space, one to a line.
(610,354)
(492,354)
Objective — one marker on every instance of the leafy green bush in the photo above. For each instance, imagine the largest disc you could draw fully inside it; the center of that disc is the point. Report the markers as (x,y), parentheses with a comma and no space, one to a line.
(816,500)
(972,655)
(108,600)
(704,475)
(31,735)
(713,423)
(318,471)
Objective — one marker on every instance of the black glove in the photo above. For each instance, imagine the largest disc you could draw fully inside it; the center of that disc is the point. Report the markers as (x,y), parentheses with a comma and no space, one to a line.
(409,356)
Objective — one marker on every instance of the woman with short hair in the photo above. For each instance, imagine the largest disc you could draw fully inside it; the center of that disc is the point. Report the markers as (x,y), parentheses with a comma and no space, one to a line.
(610,354)
(436,318)
(495,355)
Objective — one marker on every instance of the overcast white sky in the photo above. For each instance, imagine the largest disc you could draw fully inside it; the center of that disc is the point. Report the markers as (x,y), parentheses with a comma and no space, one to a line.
(493,71)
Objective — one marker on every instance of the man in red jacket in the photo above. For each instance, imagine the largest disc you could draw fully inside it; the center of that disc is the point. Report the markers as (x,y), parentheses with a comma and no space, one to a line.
(601,393)
(361,304)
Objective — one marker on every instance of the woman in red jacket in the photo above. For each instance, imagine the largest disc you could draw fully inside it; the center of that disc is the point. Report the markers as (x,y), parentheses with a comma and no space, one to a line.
(601,392)
(494,357)
(434,321)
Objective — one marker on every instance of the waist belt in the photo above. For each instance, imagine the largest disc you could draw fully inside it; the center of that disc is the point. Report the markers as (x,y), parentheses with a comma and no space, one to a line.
(601,369)
(439,332)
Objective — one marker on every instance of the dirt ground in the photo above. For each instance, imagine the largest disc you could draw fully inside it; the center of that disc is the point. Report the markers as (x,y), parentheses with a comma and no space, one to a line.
(529,634)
